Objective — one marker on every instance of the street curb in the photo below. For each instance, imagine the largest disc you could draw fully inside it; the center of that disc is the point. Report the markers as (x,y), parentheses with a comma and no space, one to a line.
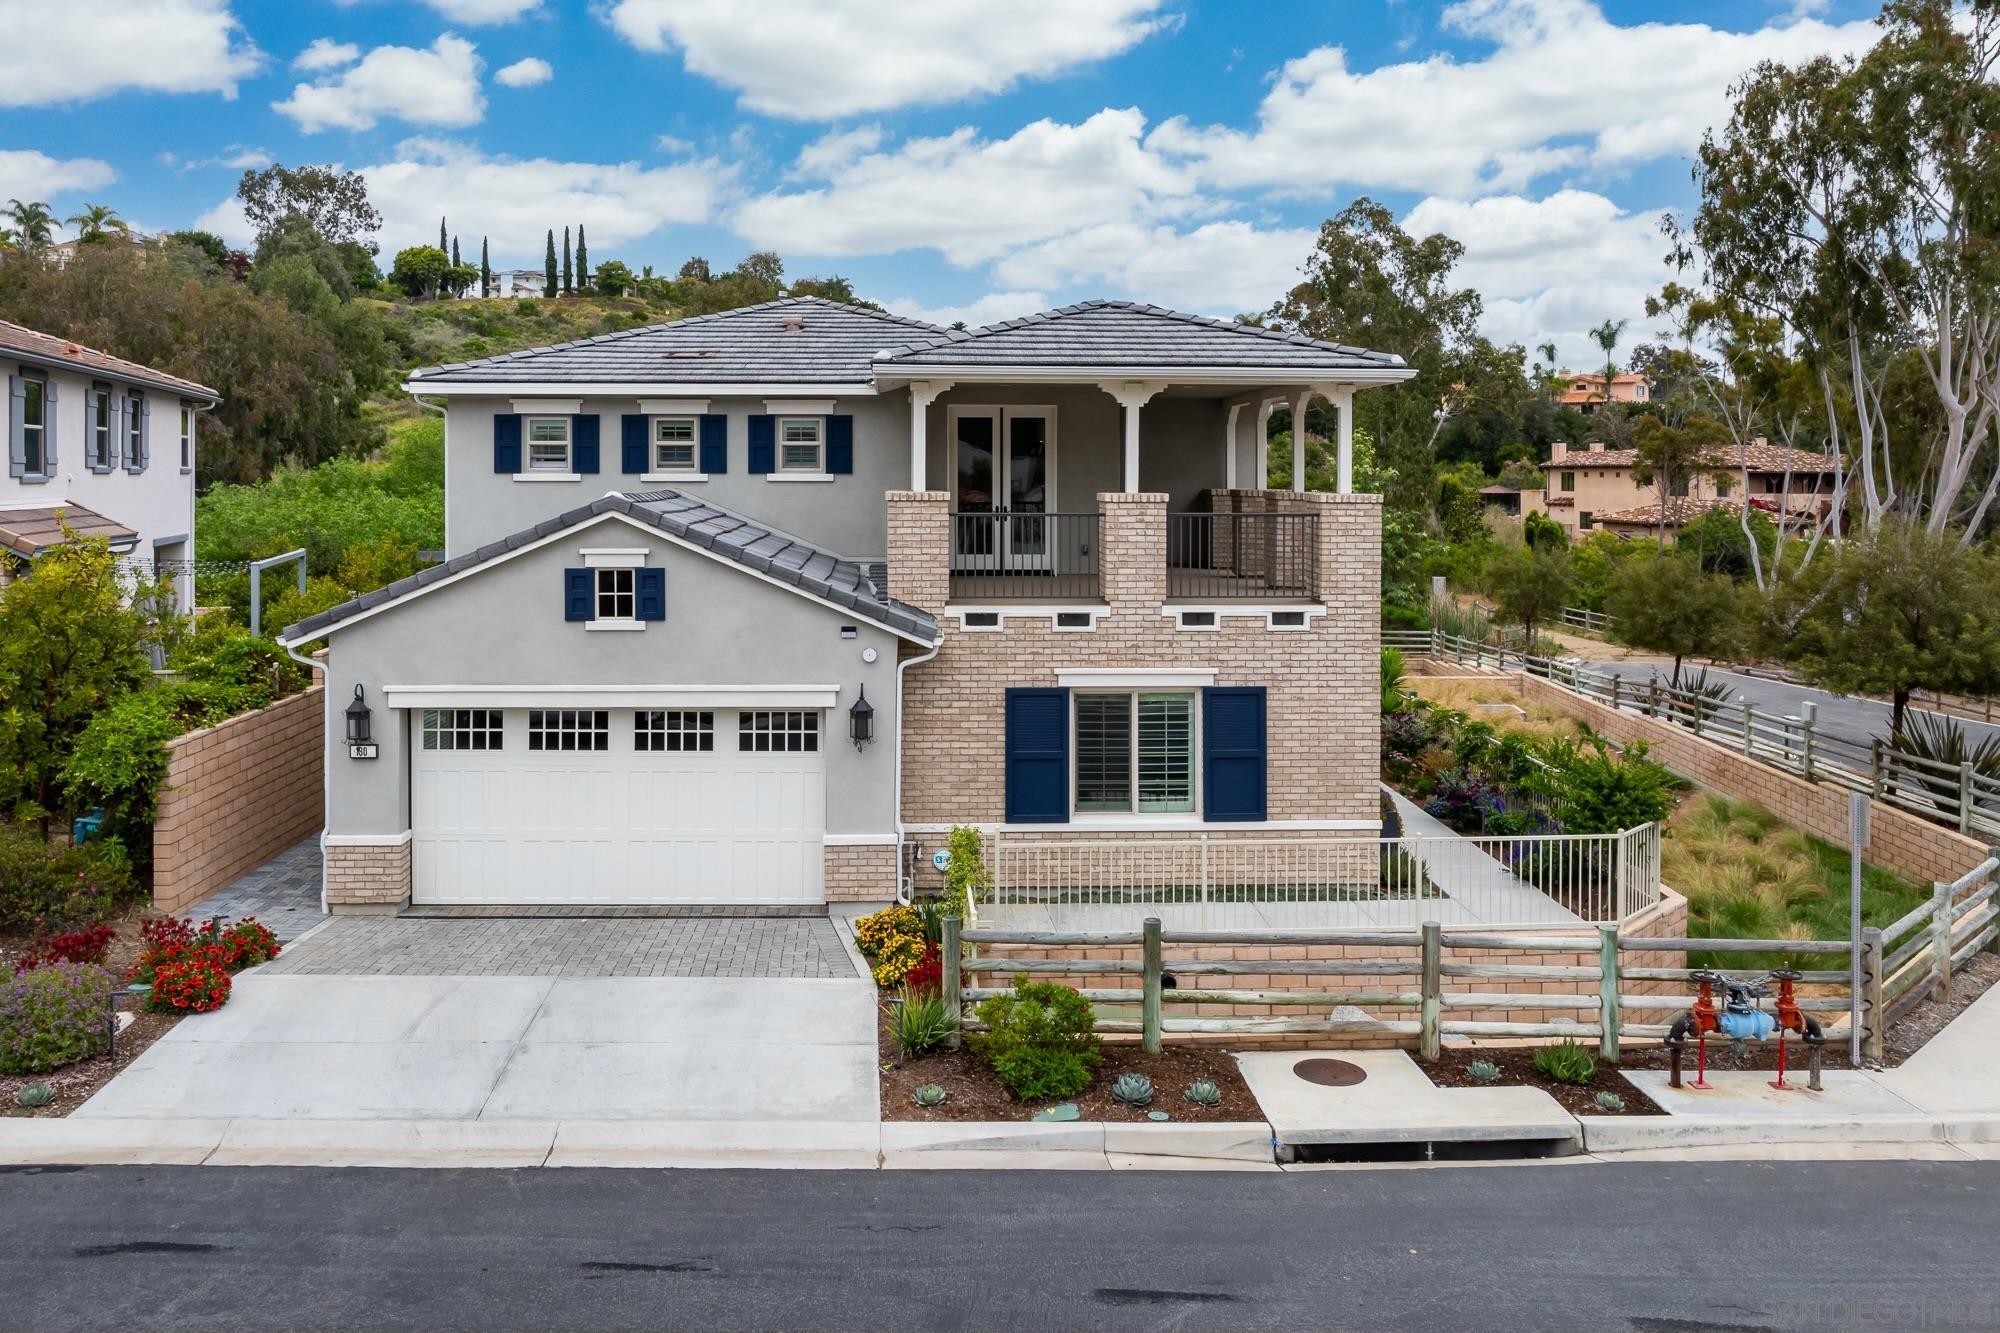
(1609,1134)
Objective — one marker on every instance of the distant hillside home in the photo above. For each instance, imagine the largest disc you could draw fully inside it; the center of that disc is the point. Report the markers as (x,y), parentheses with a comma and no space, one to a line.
(102,445)
(1585,391)
(61,253)
(519,284)
(1593,486)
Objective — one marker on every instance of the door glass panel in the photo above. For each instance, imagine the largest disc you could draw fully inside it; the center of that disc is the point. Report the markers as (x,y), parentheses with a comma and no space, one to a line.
(973,449)
(1028,483)
(1103,752)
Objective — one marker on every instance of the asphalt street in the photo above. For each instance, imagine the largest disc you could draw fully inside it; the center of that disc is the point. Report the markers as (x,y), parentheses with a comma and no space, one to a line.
(1721,1247)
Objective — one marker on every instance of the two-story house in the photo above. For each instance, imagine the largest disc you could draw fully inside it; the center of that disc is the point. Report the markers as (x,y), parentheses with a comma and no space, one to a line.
(751,608)
(103,446)
(1585,391)
(1594,487)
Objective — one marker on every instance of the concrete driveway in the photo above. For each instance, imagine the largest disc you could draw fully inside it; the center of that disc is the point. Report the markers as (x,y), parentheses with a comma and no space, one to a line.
(514,1047)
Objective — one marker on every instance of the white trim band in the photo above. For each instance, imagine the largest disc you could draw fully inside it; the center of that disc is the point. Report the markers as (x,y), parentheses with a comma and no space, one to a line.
(611,696)
(547,407)
(858,840)
(673,407)
(365,839)
(1143,678)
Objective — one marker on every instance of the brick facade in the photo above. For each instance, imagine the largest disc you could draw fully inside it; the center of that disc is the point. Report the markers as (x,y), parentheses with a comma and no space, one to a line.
(860,874)
(236,794)
(367,878)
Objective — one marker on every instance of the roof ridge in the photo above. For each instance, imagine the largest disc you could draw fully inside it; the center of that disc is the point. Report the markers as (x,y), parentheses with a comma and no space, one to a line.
(1288,336)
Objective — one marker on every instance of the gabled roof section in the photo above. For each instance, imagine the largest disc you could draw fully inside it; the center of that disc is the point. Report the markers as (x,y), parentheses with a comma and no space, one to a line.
(51,352)
(799,340)
(31,530)
(763,550)
(1116,334)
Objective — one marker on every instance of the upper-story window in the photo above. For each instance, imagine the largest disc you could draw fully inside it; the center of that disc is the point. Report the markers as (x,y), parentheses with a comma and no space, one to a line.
(135,433)
(673,444)
(548,444)
(103,441)
(34,452)
(187,438)
(617,598)
(801,444)
(1569,481)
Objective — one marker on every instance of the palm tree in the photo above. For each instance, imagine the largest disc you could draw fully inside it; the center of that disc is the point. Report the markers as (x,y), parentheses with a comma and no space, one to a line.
(1607,335)
(1548,352)
(34,225)
(97,222)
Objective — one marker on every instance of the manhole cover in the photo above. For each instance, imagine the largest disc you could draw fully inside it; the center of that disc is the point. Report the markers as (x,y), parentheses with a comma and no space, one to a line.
(1330,1073)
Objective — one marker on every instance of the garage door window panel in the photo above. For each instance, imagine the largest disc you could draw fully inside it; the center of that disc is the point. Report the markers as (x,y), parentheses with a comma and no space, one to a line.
(778,732)
(462,729)
(569,729)
(674,731)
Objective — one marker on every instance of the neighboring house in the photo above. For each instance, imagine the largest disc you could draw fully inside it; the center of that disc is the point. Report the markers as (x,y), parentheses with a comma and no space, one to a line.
(1593,486)
(62,252)
(1511,500)
(100,443)
(1585,391)
(754,607)
(518,284)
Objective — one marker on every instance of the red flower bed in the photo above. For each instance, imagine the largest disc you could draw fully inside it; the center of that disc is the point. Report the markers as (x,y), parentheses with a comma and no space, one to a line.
(194,984)
(88,945)
(189,966)
(927,977)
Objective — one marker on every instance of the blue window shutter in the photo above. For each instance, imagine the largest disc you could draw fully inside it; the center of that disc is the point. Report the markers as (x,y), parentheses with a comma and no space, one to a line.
(507,442)
(583,443)
(763,444)
(1233,758)
(714,443)
(840,444)
(650,589)
(578,588)
(1037,756)
(632,443)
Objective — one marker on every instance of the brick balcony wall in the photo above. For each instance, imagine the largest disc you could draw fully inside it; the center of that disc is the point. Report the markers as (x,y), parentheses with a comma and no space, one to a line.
(236,794)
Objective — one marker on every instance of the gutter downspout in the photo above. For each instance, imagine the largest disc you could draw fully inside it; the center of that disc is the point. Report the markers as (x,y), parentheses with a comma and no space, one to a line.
(326,759)
(906,883)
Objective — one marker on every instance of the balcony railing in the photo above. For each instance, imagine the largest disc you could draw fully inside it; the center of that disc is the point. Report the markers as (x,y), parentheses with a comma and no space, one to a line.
(1004,556)
(1218,557)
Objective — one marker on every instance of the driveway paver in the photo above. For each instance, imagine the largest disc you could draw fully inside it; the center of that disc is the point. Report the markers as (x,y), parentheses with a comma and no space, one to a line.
(283,893)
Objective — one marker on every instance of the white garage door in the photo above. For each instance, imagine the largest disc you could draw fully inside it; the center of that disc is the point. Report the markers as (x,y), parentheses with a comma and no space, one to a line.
(617,806)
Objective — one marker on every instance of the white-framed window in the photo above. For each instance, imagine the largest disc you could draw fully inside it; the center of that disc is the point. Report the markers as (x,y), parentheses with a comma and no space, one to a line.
(777,732)
(674,444)
(462,729)
(135,432)
(187,438)
(616,596)
(674,731)
(1135,752)
(801,444)
(34,426)
(548,444)
(569,729)
(103,449)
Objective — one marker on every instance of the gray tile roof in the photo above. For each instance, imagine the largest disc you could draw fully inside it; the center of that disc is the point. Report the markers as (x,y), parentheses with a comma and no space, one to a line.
(776,554)
(834,344)
(1126,333)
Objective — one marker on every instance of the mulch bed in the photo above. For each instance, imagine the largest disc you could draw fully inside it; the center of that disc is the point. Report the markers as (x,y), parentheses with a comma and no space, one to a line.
(973,1093)
(1517,1069)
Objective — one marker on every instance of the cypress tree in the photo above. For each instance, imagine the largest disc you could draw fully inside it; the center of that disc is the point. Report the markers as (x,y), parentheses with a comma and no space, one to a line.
(441,241)
(582,261)
(568,287)
(549,266)
(454,252)
(485,271)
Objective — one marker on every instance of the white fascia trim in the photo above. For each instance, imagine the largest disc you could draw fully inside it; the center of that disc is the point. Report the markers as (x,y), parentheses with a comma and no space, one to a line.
(799,407)
(614,557)
(644,529)
(1272,375)
(674,478)
(1136,677)
(611,696)
(631,390)
(365,839)
(1174,823)
(547,407)
(858,840)
(548,476)
(673,407)
(1015,611)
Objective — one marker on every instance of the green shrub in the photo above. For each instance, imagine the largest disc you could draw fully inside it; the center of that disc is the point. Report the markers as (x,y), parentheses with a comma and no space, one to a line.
(966,875)
(1392,679)
(291,606)
(52,1016)
(1566,1062)
(1041,1040)
(55,887)
(1591,790)
(924,1022)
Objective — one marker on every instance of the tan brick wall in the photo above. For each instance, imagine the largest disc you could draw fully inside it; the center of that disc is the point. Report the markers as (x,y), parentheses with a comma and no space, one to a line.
(361,879)
(1900,841)
(237,794)
(1323,705)
(860,874)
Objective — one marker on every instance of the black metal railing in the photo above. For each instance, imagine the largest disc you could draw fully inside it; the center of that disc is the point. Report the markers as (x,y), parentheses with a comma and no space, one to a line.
(1243,556)
(1010,556)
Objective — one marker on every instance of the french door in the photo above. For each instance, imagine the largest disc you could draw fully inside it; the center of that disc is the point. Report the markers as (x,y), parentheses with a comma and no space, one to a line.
(1003,486)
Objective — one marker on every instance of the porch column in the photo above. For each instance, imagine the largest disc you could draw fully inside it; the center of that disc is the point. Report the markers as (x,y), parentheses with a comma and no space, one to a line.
(1132,395)
(1343,400)
(1229,448)
(922,394)
(1299,439)
(1264,411)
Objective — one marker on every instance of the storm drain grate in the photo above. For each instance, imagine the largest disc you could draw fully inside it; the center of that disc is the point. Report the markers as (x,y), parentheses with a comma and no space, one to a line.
(1330,1073)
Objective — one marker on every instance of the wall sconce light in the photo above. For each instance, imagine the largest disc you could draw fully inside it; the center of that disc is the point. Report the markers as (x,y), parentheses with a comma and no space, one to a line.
(861,720)
(360,742)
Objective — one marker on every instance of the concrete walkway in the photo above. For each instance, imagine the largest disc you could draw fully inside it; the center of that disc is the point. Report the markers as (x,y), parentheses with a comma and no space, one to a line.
(283,893)
(1481,890)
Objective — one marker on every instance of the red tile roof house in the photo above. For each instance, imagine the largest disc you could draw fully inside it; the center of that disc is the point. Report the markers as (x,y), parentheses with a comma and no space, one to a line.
(1593,487)
(752,608)
(103,445)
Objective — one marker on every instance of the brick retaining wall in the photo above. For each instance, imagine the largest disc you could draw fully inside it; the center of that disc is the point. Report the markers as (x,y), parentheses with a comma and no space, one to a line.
(237,794)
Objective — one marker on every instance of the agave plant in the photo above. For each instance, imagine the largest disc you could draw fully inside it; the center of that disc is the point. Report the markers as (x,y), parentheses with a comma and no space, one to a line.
(1483,1071)
(1204,1093)
(34,1094)
(1609,1101)
(1132,1090)
(1944,744)
(928,1095)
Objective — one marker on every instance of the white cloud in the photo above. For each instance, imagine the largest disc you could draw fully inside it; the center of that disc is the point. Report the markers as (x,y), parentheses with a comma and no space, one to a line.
(1554,268)
(1223,268)
(60,53)
(820,59)
(525,73)
(988,309)
(236,157)
(1562,88)
(484,11)
(324,53)
(26,174)
(227,221)
(434,86)
(972,199)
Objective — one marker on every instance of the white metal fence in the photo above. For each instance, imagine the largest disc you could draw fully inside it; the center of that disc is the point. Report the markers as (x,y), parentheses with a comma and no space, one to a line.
(1955,795)
(1214,883)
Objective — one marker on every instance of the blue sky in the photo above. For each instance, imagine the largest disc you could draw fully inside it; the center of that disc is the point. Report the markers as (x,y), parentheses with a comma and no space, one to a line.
(956,159)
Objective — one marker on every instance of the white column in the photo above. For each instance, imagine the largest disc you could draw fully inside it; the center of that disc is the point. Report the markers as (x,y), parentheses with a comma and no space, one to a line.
(922,394)
(1132,395)
(1264,411)
(1299,439)
(1229,447)
(1344,402)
